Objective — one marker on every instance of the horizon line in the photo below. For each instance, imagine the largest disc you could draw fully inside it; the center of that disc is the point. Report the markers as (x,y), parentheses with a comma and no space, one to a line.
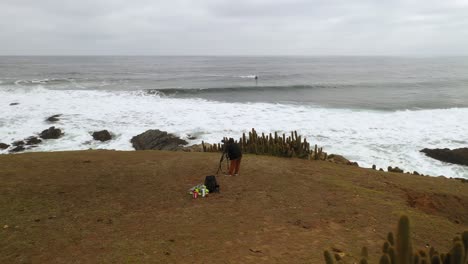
(229,55)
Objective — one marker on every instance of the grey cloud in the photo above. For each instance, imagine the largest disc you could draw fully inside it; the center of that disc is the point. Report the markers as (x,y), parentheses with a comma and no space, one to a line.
(224,27)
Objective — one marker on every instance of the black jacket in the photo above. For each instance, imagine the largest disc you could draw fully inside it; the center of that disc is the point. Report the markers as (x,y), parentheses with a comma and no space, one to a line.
(234,151)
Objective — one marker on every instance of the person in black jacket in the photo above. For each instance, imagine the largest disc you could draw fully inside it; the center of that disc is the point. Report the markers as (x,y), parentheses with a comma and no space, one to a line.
(234,153)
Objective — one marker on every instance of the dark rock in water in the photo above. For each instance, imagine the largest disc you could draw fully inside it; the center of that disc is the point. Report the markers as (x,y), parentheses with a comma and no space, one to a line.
(51,133)
(17,148)
(53,118)
(102,135)
(190,137)
(18,143)
(33,141)
(158,140)
(4,146)
(455,156)
(14,104)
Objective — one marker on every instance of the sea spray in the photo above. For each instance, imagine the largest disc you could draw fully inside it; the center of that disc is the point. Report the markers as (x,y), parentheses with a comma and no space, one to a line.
(367,136)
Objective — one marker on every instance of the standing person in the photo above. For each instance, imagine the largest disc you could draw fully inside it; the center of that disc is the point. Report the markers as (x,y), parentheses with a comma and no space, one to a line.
(235,155)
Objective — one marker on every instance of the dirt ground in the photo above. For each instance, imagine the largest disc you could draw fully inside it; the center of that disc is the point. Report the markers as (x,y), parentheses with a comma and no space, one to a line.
(134,207)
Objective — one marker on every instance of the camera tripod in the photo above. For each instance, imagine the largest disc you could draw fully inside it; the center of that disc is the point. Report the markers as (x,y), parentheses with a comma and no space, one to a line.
(220,166)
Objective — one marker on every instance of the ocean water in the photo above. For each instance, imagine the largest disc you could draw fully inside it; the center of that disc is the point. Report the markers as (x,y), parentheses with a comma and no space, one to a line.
(373,110)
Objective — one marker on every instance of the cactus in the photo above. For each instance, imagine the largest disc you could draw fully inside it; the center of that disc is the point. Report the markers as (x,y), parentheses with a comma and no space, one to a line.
(268,144)
(328,257)
(364,252)
(415,259)
(385,248)
(402,253)
(458,253)
(390,238)
(464,238)
(385,259)
(447,258)
(436,260)
(392,255)
(403,243)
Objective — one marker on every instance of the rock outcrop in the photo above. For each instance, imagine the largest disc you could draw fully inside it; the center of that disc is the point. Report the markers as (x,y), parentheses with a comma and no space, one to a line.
(157,140)
(4,146)
(396,169)
(51,133)
(21,145)
(190,137)
(18,148)
(194,148)
(18,143)
(455,156)
(32,141)
(341,160)
(102,135)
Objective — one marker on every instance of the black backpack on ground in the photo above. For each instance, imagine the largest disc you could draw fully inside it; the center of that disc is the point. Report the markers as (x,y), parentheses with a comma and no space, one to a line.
(211,184)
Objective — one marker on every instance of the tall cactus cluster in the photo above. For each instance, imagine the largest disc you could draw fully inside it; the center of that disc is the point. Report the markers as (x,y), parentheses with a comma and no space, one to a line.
(400,250)
(274,145)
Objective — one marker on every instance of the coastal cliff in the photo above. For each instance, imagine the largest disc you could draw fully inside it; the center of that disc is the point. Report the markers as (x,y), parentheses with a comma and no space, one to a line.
(113,206)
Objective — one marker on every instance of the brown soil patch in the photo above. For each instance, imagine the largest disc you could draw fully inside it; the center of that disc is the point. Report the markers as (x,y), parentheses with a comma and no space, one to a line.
(133,207)
(450,206)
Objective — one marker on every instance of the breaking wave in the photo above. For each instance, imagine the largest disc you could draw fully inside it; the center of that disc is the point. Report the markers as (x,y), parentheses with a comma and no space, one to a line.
(367,136)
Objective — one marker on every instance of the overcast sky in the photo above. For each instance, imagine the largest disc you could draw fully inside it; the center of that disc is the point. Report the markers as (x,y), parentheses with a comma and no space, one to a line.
(234,27)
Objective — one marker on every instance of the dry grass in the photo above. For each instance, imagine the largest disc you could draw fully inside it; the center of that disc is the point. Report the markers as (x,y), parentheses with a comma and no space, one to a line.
(133,207)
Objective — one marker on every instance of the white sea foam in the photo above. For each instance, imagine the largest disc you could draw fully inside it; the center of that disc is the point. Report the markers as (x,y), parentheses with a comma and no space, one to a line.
(368,137)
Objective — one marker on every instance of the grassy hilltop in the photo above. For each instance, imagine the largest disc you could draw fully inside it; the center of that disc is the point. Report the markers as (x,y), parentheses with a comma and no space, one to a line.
(133,207)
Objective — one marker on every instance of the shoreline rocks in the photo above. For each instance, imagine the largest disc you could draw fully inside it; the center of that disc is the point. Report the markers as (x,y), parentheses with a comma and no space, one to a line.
(33,141)
(51,133)
(4,146)
(18,148)
(18,143)
(157,140)
(54,118)
(341,160)
(396,169)
(455,156)
(191,137)
(102,135)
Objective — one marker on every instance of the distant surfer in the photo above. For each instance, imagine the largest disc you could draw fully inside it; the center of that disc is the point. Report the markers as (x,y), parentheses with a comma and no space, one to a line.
(256,79)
